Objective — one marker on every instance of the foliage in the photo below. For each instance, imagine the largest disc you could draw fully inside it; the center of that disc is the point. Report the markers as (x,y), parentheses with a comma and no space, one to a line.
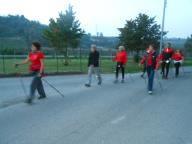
(64,32)
(18,27)
(137,34)
(188,44)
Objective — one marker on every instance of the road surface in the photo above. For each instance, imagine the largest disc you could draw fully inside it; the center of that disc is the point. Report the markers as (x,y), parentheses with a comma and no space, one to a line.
(107,114)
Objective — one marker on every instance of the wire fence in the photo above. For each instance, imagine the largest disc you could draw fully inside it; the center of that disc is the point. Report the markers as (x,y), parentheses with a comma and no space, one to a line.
(55,61)
(77,61)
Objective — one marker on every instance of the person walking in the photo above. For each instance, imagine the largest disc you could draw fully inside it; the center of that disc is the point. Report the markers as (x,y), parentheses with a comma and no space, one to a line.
(144,66)
(36,69)
(121,59)
(166,60)
(178,60)
(152,63)
(93,66)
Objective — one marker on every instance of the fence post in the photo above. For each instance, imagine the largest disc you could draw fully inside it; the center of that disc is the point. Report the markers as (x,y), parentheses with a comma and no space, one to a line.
(80,60)
(3,58)
(57,61)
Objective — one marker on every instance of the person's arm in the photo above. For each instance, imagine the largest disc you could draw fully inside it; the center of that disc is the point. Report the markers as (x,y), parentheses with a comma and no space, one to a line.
(158,62)
(125,59)
(89,60)
(22,62)
(142,61)
(42,67)
(115,58)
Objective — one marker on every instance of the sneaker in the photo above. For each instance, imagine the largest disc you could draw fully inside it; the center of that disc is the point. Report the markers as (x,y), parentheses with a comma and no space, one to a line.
(115,81)
(29,101)
(122,81)
(41,97)
(87,85)
(99,83)
(150,92)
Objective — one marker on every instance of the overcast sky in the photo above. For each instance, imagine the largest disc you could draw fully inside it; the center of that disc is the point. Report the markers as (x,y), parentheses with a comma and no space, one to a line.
(106,15)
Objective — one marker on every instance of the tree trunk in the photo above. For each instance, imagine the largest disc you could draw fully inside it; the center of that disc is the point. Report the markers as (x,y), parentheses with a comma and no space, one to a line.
(136,56)
(66,62)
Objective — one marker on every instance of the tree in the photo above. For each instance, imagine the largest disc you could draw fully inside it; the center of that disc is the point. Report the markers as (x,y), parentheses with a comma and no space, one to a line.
(188,44)
(64,32)
(137,34)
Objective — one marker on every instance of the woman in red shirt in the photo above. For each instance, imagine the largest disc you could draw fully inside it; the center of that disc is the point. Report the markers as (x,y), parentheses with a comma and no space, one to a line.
(36,68)
(177,58)
(151,60)
(121,59)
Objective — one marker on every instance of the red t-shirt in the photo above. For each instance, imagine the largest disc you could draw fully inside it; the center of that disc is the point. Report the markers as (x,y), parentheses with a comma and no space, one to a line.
(35,58)
(177,56)
(121,57)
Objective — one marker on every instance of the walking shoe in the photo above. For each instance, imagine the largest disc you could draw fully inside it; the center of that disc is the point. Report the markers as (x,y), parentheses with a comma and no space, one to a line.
(122,81)
(29,101)
(99,83)
(150,92)
(115,81)
(41,97)
(87,85)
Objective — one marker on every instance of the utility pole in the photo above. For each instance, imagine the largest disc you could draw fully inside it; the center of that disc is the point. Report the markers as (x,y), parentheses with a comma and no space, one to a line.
(162,27)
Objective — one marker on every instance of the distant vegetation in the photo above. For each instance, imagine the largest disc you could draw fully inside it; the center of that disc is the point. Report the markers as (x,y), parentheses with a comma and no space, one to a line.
(17,33)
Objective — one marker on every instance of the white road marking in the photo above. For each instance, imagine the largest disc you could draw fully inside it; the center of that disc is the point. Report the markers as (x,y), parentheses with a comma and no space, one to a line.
(117,120)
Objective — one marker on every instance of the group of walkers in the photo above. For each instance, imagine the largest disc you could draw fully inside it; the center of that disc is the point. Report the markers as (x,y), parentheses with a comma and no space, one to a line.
(150,61)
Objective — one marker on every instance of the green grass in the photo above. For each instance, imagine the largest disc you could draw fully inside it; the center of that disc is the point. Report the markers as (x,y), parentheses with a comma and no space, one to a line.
(107,66)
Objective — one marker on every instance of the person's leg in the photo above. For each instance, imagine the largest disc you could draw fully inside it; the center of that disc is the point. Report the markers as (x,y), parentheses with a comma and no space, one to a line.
(151,79)
(150,73)
(167,69)
(98,74)
(90,72)
(33,87)
(117,71)
(123,73)
(163,69)
(177,65)
(40,89)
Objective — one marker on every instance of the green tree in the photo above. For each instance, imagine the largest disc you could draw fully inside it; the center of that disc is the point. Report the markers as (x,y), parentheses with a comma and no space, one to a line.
(188,44)
(64,32)
(137,34)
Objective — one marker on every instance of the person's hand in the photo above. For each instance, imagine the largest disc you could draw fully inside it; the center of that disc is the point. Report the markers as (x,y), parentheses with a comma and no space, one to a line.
(139,65)
(16,65)
(39,74)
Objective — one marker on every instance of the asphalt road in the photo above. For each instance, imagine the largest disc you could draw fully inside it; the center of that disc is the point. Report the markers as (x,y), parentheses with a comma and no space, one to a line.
(107,114)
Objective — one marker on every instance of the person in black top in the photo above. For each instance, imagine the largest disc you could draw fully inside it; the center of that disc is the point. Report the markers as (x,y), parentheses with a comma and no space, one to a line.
(93,66)
(166,60)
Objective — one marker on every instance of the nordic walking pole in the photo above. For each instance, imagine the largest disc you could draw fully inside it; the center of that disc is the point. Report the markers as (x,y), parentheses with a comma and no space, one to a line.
(158,79)
(53,87)
(21,81)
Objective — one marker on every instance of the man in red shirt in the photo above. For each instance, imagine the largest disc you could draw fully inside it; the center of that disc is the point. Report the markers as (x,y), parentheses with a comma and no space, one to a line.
(36,69)
(121,59)
(166,60)
(152,63)
(177,58)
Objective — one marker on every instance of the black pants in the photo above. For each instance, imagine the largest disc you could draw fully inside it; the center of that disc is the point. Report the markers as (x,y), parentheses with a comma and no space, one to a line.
(165,66)
(177,66)
(36,84)
(118,67)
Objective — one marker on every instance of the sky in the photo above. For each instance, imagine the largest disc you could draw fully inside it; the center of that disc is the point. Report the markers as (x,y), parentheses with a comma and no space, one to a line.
(106,15)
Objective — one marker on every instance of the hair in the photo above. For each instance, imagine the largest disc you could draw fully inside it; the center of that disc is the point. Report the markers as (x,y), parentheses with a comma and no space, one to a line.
(121,48)
(37,45)
(152,45)
(168,44)
(93,46)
